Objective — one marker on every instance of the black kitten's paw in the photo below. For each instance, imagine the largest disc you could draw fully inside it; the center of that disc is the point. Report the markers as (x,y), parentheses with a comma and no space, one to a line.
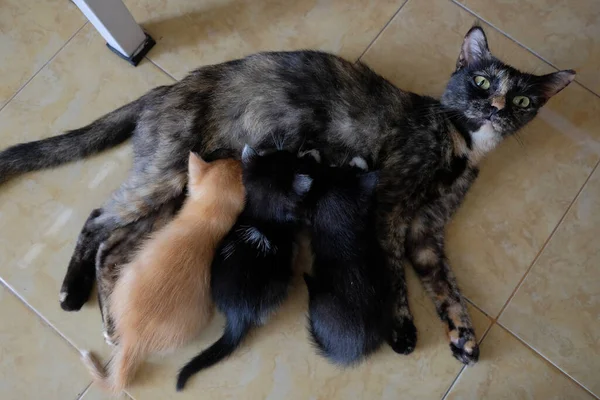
(403,336)
(464,345)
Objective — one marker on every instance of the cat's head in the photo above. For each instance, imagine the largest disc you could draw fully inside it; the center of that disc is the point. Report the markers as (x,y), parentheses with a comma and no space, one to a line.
(220,179)
(341,194)
(484,90)
(275,184)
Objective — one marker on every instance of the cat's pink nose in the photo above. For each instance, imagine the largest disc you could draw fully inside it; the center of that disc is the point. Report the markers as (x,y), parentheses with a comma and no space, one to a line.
(499,102)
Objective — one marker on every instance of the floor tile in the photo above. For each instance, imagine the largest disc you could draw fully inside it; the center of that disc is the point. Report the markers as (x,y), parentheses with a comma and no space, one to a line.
(42,213)
(31,33)
(566,33)
(556,309)
(192,33)
(510,370)
(95,393)
(502,225)
(35,362)
(278,362)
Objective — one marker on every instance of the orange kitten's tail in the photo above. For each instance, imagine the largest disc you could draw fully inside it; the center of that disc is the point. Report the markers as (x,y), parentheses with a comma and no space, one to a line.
(96,369)
(121,371)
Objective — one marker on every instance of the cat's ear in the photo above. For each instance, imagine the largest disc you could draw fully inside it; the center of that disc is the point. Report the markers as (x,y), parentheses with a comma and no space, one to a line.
(555,82)
(248,154)
(360,163)
(314,154)
(196,165)
(368,181)
(302,184)
(474,48)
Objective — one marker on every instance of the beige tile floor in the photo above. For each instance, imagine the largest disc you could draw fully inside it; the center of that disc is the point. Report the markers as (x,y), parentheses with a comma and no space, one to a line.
(524,246)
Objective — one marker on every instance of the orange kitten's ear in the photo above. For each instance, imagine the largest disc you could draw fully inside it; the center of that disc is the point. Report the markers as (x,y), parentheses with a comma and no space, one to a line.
(196,165)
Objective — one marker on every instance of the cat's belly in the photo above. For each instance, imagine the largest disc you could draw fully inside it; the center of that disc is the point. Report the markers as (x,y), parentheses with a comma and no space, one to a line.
(334,146)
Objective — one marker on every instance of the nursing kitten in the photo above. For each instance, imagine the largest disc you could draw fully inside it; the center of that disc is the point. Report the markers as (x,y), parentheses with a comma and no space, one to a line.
(348,286)
(119,250)
(162,298)
(252,270)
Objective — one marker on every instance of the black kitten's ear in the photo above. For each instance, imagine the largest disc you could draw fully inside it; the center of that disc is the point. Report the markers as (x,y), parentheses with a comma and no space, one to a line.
(314,154)
(474,48)
(368,181)
(248,154)
(302,184)
(360,163)
(557,81)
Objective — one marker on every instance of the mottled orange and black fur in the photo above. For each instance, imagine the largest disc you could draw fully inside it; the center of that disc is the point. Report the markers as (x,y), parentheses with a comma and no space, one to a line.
(427,151)
(162,298)
(119,249)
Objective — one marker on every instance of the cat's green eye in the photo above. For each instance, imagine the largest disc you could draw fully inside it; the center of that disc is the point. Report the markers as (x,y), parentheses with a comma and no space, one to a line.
(482,82)
(521,101)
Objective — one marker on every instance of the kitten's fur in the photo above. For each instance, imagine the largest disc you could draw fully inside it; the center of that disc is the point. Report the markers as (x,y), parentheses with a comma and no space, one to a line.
(162,298)
(252,269)
(348,284)
(427,151)
(119,250)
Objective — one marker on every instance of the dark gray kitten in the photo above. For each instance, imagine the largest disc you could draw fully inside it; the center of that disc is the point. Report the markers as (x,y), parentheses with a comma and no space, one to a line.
(427,151)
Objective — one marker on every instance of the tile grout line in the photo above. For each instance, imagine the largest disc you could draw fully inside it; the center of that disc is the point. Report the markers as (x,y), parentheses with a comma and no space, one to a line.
(479,309)
(381,31)
(550,236)
(42,67)
(524,343)
(47,323)
(85,390)
(462,369)
(36,312)
(518,43)
(161,69)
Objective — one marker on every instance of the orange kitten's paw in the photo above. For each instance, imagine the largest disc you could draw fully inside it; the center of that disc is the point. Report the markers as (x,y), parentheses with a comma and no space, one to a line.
(464,345)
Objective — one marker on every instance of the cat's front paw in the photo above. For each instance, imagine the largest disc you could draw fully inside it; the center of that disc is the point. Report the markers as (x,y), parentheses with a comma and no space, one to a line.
(403,336)
(464,345)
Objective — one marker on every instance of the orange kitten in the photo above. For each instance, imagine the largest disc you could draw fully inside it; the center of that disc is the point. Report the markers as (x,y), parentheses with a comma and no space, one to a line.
(162,300)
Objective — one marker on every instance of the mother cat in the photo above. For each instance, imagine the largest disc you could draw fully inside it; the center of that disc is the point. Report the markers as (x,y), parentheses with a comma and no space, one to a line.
(427,150)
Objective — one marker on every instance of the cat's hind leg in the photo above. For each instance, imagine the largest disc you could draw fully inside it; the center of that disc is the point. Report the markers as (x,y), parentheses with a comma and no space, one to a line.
(143,192)
(401,331)
(79,280)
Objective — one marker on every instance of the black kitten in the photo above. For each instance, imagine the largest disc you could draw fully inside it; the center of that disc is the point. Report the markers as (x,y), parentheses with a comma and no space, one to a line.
(252,270)
(347,289)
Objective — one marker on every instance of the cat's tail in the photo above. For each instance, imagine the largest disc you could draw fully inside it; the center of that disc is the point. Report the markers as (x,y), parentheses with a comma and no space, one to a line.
(121,370)
(95,368)
(222,348)
(104,133)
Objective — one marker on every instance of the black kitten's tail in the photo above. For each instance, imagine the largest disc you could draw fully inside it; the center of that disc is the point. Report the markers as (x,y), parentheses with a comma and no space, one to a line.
(222,348)
(104,133)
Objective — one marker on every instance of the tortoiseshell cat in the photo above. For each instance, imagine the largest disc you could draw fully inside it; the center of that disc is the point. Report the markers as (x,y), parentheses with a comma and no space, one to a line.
(427,150)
